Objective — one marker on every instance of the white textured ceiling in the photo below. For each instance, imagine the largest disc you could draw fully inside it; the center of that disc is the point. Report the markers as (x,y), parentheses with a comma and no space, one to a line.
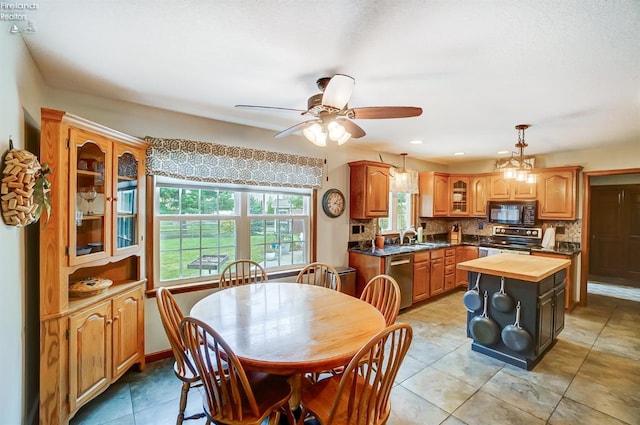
(477,68)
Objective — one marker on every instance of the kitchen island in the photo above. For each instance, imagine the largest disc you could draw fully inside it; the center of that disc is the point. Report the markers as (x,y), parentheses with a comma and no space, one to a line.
(536,285)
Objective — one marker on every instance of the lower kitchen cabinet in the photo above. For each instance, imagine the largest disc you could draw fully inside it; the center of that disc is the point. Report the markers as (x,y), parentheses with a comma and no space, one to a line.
(421,275)
(436,286)
(449,268)
(464,253)
(569,296)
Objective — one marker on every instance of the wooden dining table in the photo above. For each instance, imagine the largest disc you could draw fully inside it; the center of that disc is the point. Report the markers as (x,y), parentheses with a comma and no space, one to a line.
(289,328)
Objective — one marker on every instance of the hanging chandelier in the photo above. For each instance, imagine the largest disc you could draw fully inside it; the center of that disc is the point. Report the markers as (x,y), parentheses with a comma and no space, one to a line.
(518,166)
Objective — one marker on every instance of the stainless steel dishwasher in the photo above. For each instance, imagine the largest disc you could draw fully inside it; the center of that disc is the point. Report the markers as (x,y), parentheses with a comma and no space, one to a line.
(400,267)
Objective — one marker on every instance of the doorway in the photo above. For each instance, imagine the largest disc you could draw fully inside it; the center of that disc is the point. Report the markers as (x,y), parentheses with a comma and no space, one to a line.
(32,294)
(610,228)
(615,233)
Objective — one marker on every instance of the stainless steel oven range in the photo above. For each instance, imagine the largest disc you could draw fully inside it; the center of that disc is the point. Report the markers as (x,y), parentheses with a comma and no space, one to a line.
(516,240)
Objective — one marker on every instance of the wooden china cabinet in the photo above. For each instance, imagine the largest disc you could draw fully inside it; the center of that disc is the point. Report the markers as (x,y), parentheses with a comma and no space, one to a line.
(95,230)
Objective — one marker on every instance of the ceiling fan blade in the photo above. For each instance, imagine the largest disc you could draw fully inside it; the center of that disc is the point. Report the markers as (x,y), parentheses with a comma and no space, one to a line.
(294,129)
(338,91)
(353,128)
(380,112)
(301,111)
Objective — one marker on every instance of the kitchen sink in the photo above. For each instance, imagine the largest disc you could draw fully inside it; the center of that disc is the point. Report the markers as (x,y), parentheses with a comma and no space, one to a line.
(433,244)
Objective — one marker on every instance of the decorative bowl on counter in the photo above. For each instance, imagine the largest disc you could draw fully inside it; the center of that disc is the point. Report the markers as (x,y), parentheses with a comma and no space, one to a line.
(88,286)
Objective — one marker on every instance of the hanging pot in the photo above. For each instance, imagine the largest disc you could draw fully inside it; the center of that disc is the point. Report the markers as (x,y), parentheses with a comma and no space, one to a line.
(484,329)
(501,301)
(471,298)
(515,337)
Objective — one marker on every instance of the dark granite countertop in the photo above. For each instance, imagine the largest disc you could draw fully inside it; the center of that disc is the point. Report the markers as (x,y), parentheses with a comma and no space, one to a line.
(404,249)
(562,248)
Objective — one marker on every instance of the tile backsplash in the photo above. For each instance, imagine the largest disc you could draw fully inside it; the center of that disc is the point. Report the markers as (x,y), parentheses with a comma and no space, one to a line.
(365,230)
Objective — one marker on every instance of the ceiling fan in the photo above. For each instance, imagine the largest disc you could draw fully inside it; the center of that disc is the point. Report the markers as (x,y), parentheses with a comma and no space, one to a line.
(331,114)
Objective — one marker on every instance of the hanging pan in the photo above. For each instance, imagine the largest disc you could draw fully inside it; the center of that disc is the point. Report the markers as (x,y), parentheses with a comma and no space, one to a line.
(471,298)
(515,337)
(484,329)
(502,301)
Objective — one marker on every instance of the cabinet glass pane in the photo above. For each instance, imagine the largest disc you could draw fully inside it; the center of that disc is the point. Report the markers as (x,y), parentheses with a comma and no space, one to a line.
(127,202)
(90,200)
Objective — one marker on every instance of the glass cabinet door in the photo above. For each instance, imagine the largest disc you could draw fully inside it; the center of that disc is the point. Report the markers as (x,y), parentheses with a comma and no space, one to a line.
(127,175)
(459,196)
(89,191)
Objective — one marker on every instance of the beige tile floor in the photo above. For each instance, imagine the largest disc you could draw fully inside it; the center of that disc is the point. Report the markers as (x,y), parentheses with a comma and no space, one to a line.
(591,375)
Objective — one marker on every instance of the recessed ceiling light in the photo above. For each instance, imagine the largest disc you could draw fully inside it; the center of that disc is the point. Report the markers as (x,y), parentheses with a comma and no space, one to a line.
(416,142)
(459,153)
(502,152)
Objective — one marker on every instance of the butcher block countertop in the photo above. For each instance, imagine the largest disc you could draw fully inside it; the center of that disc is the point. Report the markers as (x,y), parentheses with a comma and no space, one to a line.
(524,267)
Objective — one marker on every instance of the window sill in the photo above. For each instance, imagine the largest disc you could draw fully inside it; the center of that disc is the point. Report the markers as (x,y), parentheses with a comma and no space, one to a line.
(203,286)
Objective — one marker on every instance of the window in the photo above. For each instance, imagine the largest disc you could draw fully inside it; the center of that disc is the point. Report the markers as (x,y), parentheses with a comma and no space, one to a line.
(399,213)
(201,228)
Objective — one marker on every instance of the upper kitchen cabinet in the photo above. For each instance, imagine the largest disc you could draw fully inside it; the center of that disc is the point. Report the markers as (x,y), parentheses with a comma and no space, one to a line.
(369,189)
(459,196)
(558,193)
(434,194)
(479,195)
(501,188)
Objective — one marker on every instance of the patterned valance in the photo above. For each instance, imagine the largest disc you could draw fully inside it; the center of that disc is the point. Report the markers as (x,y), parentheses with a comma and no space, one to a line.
(210,162)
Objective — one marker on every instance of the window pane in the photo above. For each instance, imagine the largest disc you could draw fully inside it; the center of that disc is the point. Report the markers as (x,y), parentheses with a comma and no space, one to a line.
(190,248)
(403,208)
(169,201)
(195,244)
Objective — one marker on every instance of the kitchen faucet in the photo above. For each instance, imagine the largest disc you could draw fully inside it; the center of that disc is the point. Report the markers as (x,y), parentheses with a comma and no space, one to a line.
(403,233)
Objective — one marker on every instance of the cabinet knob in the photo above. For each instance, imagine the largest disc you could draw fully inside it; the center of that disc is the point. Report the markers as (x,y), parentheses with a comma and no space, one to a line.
(109,322)
(115,318)
(115,199)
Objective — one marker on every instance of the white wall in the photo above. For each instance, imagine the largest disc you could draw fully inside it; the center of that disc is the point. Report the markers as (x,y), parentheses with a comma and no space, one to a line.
(22,89)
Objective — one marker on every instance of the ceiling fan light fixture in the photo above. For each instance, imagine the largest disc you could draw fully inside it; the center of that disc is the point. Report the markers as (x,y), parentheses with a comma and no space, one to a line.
(336,130)
(316,135)
(342,140)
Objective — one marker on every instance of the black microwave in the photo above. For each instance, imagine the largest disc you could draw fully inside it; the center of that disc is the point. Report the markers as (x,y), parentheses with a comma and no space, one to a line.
(517,213)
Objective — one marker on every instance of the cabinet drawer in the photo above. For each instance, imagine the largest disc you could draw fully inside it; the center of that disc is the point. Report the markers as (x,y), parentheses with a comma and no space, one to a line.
(449,281)
(449,260)
(450,252)
(437,253)
(421,256)
(449,269)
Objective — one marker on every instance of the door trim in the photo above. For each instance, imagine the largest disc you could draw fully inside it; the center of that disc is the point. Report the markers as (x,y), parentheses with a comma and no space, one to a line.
(586,199)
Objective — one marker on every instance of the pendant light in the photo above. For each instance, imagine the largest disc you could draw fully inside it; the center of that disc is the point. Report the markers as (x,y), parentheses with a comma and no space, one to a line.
(518,166)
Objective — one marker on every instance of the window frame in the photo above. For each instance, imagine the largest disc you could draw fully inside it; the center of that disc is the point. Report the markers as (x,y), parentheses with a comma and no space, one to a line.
(242,217)
(393,213)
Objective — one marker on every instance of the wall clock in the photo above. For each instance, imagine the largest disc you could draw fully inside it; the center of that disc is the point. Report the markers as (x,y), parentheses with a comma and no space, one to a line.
(333,203)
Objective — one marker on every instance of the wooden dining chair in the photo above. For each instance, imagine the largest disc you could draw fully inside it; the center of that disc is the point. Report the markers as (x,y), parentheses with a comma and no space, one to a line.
(242,272)
(360,395)
(383,292)
(183,367)
(238,397)
(320,274)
